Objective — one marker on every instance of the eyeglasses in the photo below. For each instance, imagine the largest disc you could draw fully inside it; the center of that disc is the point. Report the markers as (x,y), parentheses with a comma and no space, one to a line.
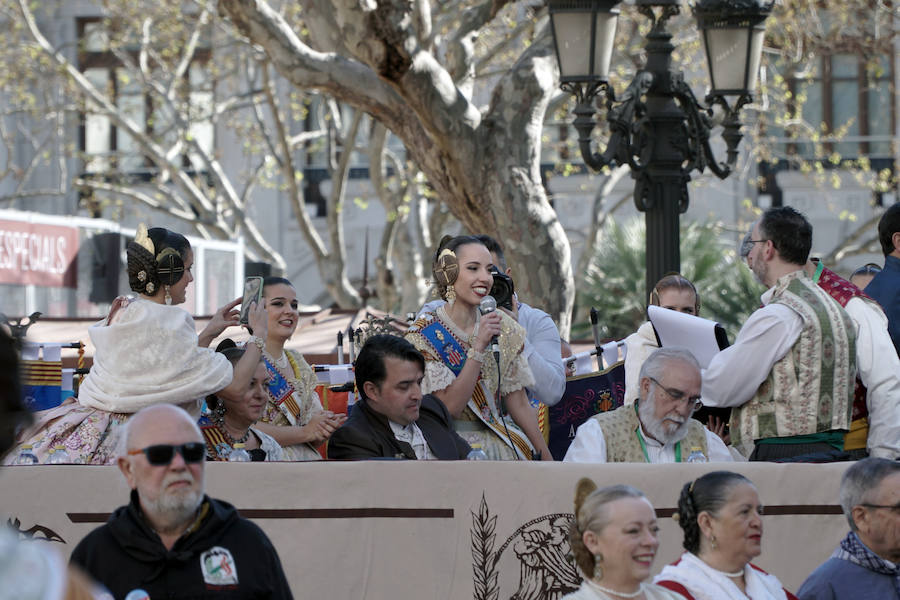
(679,396)
(895,508)
(747,246)
(162,454)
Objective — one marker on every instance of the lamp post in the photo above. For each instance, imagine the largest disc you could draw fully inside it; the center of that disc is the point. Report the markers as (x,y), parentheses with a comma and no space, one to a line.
(657,126)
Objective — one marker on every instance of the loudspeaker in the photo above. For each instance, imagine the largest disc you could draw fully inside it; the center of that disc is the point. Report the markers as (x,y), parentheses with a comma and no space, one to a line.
(106,265)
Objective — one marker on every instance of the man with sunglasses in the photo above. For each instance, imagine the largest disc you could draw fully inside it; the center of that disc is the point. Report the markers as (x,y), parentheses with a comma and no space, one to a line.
(172,540)
(658,427)
(866,564)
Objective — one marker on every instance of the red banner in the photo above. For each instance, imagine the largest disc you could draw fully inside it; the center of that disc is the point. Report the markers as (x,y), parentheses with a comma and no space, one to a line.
(33,253)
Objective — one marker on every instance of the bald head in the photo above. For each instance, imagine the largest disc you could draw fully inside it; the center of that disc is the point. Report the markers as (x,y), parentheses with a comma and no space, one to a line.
(148,424)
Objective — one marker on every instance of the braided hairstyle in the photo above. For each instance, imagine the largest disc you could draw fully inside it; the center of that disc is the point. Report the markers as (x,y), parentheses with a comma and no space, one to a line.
(445,266)
(708,493)
(143,276)
(591,515)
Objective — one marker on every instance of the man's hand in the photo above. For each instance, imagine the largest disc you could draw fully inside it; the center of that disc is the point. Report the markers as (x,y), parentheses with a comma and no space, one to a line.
(514,313)
(717,426)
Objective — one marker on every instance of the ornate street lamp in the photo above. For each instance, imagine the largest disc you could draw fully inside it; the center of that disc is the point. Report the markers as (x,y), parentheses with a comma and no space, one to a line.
(658,127)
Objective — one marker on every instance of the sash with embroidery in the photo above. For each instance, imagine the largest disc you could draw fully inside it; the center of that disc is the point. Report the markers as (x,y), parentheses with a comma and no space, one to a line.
(452,354)
(217,448)
(281,392)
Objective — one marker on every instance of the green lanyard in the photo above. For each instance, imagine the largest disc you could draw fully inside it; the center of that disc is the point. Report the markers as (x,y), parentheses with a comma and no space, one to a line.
(640,438)
(819,266)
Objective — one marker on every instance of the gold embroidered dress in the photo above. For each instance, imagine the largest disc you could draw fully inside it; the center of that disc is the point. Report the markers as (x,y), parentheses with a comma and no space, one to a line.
(292,399)
(480,421)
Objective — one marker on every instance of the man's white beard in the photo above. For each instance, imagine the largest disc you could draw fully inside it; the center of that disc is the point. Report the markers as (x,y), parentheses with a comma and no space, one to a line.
(176,507)
(655,427)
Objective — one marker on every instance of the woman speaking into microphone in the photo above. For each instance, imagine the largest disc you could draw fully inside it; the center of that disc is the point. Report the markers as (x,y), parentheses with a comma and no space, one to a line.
(459,367)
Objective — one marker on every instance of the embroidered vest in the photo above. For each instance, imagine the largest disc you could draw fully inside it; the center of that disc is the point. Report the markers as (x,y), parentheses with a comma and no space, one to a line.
(622,444)
(810,390)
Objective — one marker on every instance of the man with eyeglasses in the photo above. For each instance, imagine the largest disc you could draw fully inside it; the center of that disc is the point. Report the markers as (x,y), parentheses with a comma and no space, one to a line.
(790,374)
(171,540)
(658,427)
(866,564)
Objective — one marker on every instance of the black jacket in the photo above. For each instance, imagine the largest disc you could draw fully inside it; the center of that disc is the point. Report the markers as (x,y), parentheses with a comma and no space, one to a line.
(226,556)
(367,434)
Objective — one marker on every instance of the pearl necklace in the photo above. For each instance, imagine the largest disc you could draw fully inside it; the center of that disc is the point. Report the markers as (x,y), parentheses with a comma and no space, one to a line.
(599,588)
(734,575)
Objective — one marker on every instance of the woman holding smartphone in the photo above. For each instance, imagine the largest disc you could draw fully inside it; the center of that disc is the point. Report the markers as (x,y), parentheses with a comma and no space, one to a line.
(147,352)
(293,415)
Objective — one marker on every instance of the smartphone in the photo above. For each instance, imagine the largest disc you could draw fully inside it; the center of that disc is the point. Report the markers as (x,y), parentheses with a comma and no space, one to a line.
(253,289)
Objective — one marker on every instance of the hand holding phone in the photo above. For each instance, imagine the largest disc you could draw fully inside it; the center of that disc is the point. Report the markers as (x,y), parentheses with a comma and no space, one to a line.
(253,289)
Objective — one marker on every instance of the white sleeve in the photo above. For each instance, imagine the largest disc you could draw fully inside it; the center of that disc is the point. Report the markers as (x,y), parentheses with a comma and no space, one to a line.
(589,445)
(879,370)
(430,307)
(718,451)
(735,373)
(543,352)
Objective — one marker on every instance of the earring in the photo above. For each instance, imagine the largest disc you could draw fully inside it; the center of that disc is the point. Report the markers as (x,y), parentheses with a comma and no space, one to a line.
(451,295)
(598,568)
(712,542)
(168,297)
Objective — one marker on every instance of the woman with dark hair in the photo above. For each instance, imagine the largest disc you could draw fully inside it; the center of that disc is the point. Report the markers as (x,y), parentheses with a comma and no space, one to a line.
(231,419)
(147,352)
(614,540)
(721,516)
(293,414)
(459,368)
(673,292)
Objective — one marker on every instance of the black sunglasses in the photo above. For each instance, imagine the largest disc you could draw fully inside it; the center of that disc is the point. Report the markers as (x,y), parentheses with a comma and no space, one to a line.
(162,454)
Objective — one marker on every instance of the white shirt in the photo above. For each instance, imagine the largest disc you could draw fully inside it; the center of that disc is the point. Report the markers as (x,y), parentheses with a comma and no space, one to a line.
(589,446)
(879,370)
(542,351)
(412,435)
(735,373)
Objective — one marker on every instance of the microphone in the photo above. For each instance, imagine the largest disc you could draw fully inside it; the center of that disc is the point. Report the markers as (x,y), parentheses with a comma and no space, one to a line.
(488,305)
(596,333)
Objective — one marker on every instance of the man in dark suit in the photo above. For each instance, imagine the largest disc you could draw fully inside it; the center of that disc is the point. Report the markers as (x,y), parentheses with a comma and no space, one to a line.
(393,419)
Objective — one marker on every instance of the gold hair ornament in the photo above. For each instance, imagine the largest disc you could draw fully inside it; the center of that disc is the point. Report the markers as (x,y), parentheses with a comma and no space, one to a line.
(142,239)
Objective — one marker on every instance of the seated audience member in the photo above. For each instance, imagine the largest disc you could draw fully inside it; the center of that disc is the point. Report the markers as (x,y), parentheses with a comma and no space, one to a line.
(29,570)
(231,421)
(614,541)
(171,540)
(866,564)
(393,419)
(862,276)
(673,292)
(885,286)
(459,367)
(541,335)
(147,352)
(721,516)
(789,376)
(293,414)
(658,428)
(875,424)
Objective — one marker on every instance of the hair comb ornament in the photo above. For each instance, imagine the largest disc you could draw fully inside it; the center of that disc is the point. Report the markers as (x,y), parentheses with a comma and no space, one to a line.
(142,238)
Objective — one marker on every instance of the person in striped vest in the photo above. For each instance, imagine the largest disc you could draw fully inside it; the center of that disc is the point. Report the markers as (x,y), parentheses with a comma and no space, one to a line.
(790,374)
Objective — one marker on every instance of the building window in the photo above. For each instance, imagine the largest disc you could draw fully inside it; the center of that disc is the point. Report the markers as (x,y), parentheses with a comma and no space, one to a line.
(110,149)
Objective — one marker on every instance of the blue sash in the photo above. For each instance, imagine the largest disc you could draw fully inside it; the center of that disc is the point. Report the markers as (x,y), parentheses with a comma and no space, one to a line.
(279,388)
(443,342)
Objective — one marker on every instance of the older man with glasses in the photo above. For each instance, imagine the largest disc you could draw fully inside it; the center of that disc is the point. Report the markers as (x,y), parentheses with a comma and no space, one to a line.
(171,540)
(866,564)
(658,428)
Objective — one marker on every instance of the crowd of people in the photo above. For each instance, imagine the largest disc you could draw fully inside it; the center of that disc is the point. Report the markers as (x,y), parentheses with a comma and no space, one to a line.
(813,376)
